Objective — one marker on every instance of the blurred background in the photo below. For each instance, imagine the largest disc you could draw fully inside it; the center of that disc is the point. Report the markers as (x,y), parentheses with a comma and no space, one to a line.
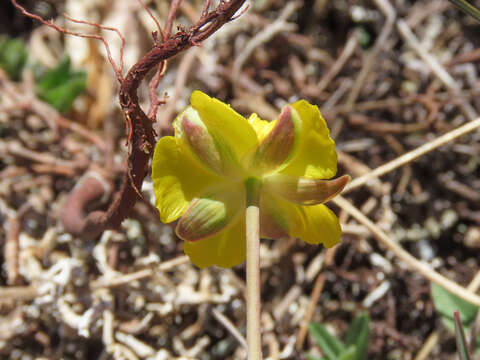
(388,76)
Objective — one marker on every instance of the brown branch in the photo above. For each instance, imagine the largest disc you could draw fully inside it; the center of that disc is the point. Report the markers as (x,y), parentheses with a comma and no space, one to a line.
(141,131)
(152,91)
(159,28)
(162,67)
(172,13)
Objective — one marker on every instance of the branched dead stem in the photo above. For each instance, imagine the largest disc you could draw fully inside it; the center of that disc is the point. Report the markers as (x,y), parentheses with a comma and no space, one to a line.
(141,135)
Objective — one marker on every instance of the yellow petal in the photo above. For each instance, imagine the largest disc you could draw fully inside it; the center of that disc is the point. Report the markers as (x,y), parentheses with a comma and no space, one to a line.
(304,191)
(276,149)
(231,131)
(315,157)
(262,127)
(177,178)
(212,213)
(315,224)
(225,249)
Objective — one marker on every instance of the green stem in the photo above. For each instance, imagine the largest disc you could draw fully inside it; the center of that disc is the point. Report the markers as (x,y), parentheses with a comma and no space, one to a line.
(252,215)
(466,7)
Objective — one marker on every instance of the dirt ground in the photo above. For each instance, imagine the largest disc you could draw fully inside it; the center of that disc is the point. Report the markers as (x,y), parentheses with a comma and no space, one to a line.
(388,76)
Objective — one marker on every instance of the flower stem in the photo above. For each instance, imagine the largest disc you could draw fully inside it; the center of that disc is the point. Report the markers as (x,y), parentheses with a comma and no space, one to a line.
(253,269)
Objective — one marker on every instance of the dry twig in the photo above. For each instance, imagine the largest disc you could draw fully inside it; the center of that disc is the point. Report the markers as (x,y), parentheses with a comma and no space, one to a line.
(412,263)
(412,155)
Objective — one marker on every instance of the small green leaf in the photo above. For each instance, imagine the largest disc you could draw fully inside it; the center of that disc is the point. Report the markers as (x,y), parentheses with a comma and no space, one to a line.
(448,323)
(359,335)
(312,357)
(13,57)
(330,345)
(350,353)
(446,303)
(462,346)
(56,76)
(63,96)
(60,86)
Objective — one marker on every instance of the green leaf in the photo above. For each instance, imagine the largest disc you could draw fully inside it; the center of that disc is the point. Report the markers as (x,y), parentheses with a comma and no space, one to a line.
(60,86)
(56,76)
(446,303)
(359,335)
(13,57)
(63,96)
(448,323)
(312,357)
(349,354)
(467,8)
(462,346)
(330,345)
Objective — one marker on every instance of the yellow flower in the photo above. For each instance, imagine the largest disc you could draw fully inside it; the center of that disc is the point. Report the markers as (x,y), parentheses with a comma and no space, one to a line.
(199,176)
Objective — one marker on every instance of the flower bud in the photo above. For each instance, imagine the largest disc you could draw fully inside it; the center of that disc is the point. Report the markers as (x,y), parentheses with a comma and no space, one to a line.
(305,191)
(189,126)
(210,214)
(277,147)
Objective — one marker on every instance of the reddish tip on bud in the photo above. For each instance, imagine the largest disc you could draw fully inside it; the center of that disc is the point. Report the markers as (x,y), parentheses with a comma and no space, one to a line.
(277,147)
(199,139)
